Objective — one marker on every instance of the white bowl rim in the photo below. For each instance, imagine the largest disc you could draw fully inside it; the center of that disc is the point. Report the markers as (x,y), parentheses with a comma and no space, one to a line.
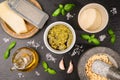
(104,9)
(46,33)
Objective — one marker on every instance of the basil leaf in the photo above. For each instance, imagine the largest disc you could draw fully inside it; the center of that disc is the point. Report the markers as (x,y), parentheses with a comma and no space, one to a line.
(56,12)
(95,41)
(51,71)
(110,32)
(69,7)
(113,39)
(85,36)
(12,45)
(45,65)
(92,36)
(6,54)
(63,12)
(90,40)
(61,6)
(47,69)
(112,35)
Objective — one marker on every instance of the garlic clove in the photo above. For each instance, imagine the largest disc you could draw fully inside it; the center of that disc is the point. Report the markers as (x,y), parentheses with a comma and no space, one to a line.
(61,64)
(70,68)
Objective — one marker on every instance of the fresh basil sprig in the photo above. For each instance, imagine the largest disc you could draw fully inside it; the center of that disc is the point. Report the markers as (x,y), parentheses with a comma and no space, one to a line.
(47,69)
(61,6)
(56,12)
(69,7)
(7,52)
(63,9)
(90,38)
(112,35)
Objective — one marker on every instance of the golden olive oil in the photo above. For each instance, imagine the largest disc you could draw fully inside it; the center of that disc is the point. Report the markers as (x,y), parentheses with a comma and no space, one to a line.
(25,59)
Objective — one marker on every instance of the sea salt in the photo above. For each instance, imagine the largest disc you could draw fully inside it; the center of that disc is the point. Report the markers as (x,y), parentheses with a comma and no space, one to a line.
(37,73)
(69,16)
(77,50)
(36,45)
(42,47)
(6,40)
(20,75)
(102,37)
(113,10)
(50,57)
(33,43)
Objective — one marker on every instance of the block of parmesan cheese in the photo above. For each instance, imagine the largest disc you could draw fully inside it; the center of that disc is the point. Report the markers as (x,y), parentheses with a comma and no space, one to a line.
(16,23)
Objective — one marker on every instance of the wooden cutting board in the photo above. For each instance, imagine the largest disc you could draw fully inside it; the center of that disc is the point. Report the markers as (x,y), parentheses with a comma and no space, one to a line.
(32,30)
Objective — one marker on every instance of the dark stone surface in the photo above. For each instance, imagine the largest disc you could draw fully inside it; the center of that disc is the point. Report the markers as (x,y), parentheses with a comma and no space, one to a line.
(49,6)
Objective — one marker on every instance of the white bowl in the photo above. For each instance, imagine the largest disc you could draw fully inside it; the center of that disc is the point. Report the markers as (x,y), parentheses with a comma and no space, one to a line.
(102,11)
(46,39)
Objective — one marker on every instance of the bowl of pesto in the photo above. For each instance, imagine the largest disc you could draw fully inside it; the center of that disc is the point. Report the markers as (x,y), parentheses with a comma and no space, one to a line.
(59,37)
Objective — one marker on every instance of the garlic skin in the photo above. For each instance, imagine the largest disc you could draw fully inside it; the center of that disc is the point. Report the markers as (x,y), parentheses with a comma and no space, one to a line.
(70,68)
(61,64)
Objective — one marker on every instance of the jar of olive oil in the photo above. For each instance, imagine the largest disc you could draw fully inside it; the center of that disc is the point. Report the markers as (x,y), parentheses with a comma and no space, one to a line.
(25,59)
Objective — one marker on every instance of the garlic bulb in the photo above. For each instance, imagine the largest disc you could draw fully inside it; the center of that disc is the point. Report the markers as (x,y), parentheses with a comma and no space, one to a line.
(61,64)
(70,68)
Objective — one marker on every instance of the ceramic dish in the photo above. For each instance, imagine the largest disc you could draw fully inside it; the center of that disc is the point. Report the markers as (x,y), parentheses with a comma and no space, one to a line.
(103,17)
(32,30)
(46,37)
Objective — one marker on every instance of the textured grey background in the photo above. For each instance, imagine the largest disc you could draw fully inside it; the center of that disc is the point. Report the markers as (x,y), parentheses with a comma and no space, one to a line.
(49,6)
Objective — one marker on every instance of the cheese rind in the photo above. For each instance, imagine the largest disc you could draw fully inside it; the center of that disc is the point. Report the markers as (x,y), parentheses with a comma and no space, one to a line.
(16,23)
